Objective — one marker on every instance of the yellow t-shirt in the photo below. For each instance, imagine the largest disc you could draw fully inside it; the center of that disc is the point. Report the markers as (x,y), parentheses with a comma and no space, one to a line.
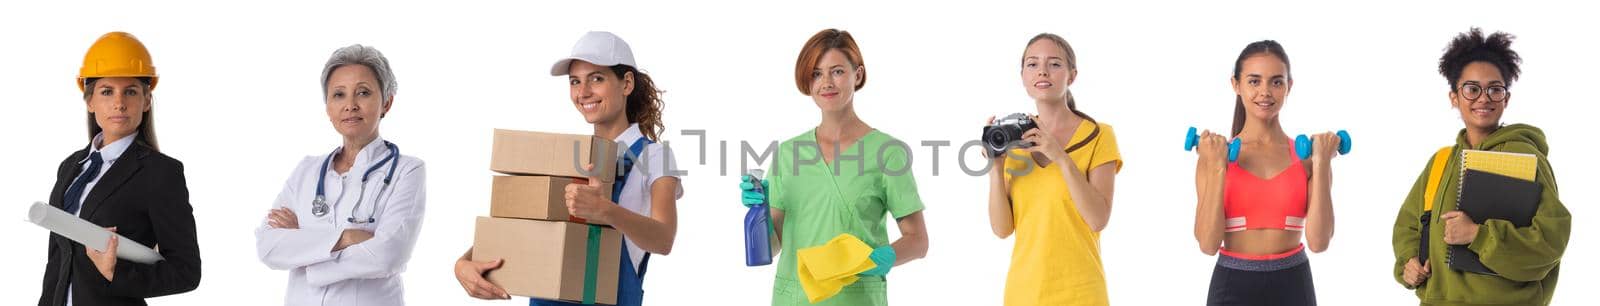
(1056,260)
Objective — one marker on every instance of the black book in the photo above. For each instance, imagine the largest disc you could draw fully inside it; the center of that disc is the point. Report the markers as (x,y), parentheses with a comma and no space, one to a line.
(1487,196)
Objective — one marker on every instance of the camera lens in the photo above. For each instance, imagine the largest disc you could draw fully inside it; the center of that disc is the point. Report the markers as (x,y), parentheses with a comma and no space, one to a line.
(996,138)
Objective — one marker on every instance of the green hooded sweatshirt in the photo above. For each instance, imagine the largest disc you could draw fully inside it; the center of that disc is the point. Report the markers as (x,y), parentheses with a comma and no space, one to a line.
(1528,259)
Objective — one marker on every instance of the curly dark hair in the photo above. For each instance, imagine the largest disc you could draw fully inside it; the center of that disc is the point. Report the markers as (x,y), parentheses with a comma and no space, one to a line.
(1473,46)
(644,103)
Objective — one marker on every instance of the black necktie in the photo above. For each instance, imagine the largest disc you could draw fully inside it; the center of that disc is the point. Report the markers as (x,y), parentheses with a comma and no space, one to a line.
(74,196)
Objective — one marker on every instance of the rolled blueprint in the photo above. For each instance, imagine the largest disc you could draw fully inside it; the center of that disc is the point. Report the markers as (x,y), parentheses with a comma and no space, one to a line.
(93,236)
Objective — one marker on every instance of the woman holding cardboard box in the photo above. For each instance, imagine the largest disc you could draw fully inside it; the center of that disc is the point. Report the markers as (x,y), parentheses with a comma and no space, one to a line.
(623,104)
(346,222)
(830,188)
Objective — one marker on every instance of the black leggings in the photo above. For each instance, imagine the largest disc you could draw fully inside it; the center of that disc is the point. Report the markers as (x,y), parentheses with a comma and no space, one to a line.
(1289,286)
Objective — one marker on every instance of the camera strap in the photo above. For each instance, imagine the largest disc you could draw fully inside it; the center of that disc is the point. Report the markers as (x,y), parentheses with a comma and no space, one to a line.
(1093,134)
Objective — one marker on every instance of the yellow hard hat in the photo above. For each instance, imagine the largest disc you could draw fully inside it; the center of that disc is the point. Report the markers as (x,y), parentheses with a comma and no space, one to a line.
(117,54)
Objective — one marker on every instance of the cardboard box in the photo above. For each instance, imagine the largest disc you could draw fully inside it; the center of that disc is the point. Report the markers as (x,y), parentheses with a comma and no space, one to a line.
(546,259)
(534,197)
(535,153)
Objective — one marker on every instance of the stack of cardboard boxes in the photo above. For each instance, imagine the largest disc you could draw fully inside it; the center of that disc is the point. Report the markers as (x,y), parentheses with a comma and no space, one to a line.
(548,253)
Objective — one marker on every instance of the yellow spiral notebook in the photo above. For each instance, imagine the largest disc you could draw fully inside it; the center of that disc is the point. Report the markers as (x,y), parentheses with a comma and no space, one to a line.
(1518,165)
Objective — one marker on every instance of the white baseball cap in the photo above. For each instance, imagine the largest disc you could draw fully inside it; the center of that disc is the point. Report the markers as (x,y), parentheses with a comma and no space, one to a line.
(599,48)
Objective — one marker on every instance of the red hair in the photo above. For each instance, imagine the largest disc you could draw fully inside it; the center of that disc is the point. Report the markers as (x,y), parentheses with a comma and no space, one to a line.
(819,44)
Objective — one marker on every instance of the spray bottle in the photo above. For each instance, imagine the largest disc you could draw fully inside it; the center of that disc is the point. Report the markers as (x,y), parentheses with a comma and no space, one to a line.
(757,228)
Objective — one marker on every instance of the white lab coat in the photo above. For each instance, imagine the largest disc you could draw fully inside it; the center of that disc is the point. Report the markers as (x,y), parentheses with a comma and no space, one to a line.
(367,273)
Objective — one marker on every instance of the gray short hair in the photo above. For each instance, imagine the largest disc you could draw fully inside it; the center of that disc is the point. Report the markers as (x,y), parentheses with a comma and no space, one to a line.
(366,56)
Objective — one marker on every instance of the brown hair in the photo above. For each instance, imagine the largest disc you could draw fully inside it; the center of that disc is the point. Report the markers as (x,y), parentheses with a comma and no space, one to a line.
(1072,65)
(147,121)
(819,44)
(644,103)
(1261,47)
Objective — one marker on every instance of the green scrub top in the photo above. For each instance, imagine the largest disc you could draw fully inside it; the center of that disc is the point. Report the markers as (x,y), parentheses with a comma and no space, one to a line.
(868,179)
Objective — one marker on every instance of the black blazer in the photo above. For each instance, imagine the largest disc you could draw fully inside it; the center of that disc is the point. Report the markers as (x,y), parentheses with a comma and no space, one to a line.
(145,196)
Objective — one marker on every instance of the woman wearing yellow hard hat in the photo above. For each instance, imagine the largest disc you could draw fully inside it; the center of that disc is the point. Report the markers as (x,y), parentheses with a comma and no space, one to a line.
(121,181)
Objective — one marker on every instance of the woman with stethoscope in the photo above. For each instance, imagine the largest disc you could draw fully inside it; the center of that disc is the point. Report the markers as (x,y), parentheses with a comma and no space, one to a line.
(347,221)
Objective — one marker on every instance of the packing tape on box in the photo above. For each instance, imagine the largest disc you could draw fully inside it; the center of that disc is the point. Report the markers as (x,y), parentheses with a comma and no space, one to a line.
(591,265)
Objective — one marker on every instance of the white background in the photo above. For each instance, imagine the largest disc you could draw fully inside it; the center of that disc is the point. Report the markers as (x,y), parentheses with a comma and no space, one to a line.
(239,103)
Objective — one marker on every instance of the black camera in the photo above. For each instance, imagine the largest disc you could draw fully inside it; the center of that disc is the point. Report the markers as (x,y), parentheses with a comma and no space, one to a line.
(1007,132)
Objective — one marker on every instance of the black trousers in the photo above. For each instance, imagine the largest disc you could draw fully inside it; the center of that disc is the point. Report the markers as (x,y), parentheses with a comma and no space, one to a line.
(1286,287)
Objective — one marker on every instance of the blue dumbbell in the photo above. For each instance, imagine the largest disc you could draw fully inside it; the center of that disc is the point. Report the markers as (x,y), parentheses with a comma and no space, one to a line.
(1193,140)
(1302,144)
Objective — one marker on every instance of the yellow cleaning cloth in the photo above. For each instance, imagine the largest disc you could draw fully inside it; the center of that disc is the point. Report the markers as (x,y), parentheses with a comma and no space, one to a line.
(828,268)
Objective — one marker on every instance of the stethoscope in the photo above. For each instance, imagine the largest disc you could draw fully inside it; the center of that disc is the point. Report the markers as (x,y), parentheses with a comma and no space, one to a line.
(319,205)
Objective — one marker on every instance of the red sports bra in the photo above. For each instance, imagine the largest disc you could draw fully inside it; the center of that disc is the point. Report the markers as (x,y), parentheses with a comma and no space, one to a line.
(1250,202)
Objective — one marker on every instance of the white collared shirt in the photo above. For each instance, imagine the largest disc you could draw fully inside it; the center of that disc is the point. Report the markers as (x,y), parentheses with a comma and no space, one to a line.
(366,273)
(653,163)
(109,154)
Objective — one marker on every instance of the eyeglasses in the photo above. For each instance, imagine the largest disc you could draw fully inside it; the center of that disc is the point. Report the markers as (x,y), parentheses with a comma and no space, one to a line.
(1496,93)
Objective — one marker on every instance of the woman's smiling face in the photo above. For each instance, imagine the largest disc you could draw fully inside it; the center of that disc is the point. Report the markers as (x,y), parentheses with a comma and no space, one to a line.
(833,81)
(1045,70)
(1482,82)
(1263,85)
(598,92)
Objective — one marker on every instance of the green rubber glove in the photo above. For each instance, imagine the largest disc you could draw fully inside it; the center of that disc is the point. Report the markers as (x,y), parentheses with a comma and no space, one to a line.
(751,196)
(882,256)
